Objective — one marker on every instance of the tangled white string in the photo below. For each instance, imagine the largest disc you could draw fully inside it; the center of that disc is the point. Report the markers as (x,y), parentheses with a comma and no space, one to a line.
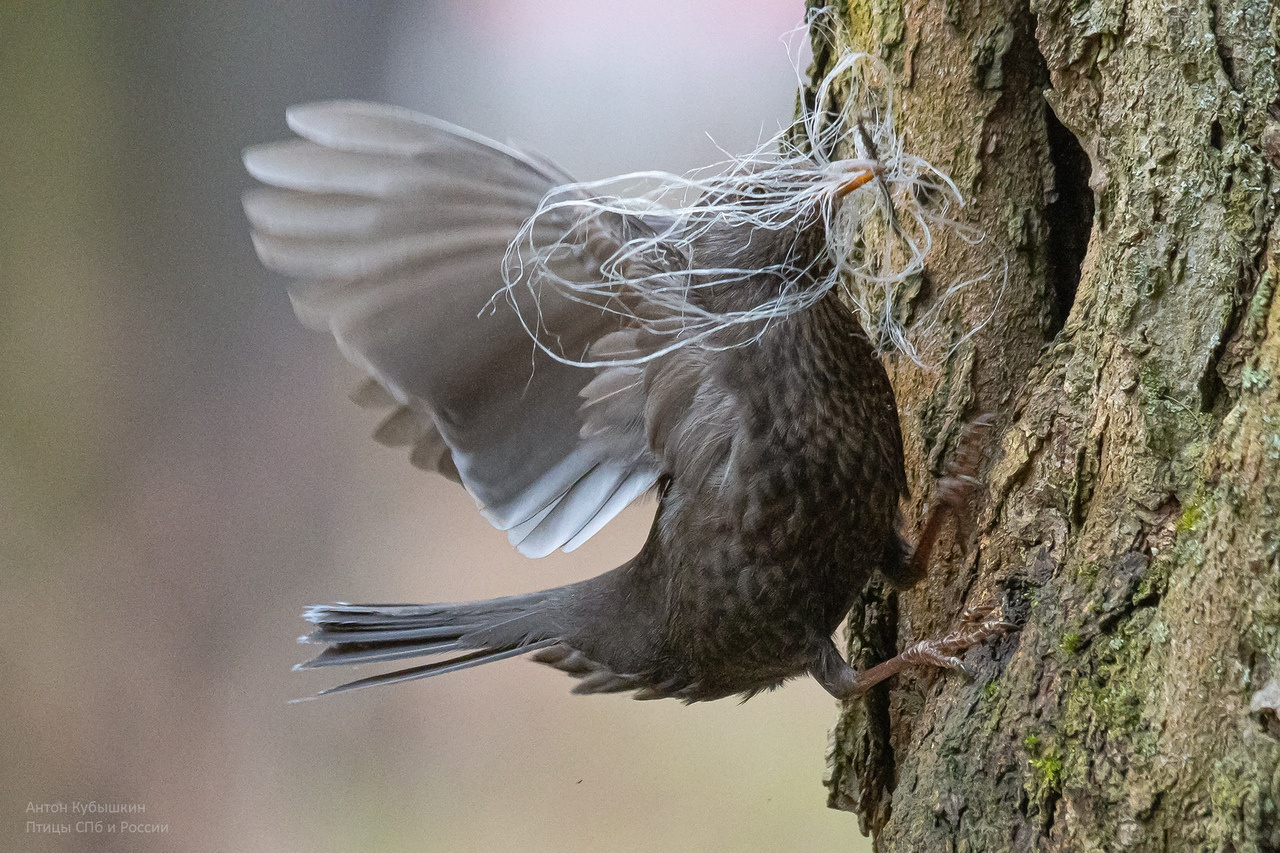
(638,256)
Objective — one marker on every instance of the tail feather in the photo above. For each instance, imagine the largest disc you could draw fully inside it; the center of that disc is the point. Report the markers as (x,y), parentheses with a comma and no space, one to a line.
(327,634)
(486,630)
(439,667)
(351,653)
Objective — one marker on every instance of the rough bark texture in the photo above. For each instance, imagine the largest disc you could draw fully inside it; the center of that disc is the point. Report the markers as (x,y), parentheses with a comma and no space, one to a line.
(1125,156)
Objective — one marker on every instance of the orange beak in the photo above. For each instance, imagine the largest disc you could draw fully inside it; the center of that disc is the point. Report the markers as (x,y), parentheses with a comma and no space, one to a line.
(859,180)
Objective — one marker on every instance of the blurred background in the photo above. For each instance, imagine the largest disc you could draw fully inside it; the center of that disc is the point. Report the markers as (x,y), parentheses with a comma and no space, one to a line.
(180,471)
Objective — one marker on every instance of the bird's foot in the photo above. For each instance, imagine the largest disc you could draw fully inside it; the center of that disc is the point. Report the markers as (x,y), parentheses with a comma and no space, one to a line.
(951,498)
(958,486)
(970,451)
(977,624)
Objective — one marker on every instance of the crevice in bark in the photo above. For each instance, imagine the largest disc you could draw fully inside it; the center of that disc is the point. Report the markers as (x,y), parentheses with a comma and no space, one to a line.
(866,785)
(1212,384)
(1220,384)
(877,801)
(1069,216)
(1226,56)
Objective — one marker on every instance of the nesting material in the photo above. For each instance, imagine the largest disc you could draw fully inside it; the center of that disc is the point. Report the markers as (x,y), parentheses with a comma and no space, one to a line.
(648,271)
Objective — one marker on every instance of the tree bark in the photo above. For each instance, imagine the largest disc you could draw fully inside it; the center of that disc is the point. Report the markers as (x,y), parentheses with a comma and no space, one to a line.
(1125,159)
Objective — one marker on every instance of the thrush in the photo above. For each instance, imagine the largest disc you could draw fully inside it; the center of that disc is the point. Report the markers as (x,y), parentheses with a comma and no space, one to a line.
(770,437)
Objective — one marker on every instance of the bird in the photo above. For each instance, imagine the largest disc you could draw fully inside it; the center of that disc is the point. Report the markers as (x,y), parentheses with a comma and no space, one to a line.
(770,436)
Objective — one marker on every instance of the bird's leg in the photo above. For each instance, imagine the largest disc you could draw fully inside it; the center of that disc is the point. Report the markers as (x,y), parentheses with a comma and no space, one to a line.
(844,682)
(952,494)
(976,624)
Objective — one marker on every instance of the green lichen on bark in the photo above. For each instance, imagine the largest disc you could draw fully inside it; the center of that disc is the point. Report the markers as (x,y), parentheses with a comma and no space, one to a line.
(1133,520)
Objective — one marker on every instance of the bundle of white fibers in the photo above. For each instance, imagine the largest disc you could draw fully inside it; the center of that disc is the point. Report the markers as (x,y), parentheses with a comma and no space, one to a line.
(878,236)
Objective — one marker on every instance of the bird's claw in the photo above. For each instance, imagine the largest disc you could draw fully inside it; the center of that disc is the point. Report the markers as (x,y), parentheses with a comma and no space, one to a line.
(940,653)
(987,618)
(977,624)
(961,481)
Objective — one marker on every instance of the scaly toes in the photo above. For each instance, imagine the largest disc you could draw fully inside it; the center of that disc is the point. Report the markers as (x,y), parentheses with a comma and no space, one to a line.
(985,620)
(940,653)
(977,624)
(976,614)
(956,490)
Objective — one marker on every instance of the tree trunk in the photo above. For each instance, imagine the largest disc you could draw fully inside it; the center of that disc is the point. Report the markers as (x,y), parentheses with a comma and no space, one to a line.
(1125,158)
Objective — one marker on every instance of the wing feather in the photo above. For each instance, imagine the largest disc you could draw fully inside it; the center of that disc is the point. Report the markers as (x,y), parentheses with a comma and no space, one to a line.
(395,226)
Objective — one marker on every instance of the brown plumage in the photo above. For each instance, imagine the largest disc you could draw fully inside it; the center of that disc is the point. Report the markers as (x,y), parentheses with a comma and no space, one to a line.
(774,445)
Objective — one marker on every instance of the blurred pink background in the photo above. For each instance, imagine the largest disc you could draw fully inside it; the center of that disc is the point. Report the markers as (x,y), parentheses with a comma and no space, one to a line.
(180,472)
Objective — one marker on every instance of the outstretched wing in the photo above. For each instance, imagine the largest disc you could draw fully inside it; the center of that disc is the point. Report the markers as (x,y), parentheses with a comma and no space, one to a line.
(395,226)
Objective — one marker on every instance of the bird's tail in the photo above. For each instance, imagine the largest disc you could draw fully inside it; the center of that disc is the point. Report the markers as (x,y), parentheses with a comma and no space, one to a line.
(469,634)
